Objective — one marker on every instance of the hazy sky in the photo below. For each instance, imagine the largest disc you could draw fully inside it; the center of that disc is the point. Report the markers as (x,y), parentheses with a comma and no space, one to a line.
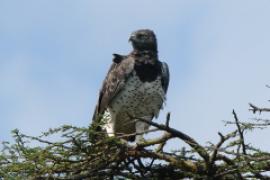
(54,56)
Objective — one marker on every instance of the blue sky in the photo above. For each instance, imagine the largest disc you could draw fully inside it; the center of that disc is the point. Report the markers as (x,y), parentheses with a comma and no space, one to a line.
(54,55)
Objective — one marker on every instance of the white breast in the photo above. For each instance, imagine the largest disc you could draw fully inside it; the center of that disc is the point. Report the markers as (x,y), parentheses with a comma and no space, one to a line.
(140,98)
(137,99)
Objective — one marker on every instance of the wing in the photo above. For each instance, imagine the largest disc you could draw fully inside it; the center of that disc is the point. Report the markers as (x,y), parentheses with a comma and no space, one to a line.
(165,76)
(114,82)
(117,58)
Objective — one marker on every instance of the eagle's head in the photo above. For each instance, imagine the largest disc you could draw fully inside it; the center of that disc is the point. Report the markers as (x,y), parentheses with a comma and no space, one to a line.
(144,39)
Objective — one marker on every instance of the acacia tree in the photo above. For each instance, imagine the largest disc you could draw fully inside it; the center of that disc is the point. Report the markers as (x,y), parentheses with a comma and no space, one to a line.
(83,153)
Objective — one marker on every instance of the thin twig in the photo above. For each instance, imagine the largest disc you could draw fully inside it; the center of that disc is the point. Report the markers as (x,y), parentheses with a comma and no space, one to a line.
(255,109)
(240,131)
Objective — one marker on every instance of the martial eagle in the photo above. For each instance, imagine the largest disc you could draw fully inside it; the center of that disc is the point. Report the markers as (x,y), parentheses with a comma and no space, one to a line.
(135,88)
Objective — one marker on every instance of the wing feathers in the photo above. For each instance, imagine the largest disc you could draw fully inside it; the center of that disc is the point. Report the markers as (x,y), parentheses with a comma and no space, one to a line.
(114,82)
(165,76)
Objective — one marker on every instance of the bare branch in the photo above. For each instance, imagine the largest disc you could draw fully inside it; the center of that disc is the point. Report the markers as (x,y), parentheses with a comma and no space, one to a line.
(255,109)
(187,139)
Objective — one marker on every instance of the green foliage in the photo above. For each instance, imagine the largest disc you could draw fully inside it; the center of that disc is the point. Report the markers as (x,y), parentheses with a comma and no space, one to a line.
(61,159)
(70,152)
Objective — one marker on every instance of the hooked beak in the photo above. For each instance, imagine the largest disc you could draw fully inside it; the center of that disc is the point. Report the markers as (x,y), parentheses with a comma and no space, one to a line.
(132,38)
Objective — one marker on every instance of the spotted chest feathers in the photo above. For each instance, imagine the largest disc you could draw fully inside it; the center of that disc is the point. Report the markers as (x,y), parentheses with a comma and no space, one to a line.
(137,99)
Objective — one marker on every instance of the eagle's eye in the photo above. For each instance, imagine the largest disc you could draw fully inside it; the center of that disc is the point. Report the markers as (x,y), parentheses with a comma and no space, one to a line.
(142,36)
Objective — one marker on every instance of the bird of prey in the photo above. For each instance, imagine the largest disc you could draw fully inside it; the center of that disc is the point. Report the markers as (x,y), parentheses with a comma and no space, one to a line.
(135,88)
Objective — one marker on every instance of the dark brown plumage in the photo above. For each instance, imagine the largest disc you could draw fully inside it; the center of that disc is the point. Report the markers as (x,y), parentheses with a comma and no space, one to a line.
(135,86)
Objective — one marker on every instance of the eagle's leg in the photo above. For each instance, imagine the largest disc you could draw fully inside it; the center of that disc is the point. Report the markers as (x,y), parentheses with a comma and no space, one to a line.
(109,123)
(141,127)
